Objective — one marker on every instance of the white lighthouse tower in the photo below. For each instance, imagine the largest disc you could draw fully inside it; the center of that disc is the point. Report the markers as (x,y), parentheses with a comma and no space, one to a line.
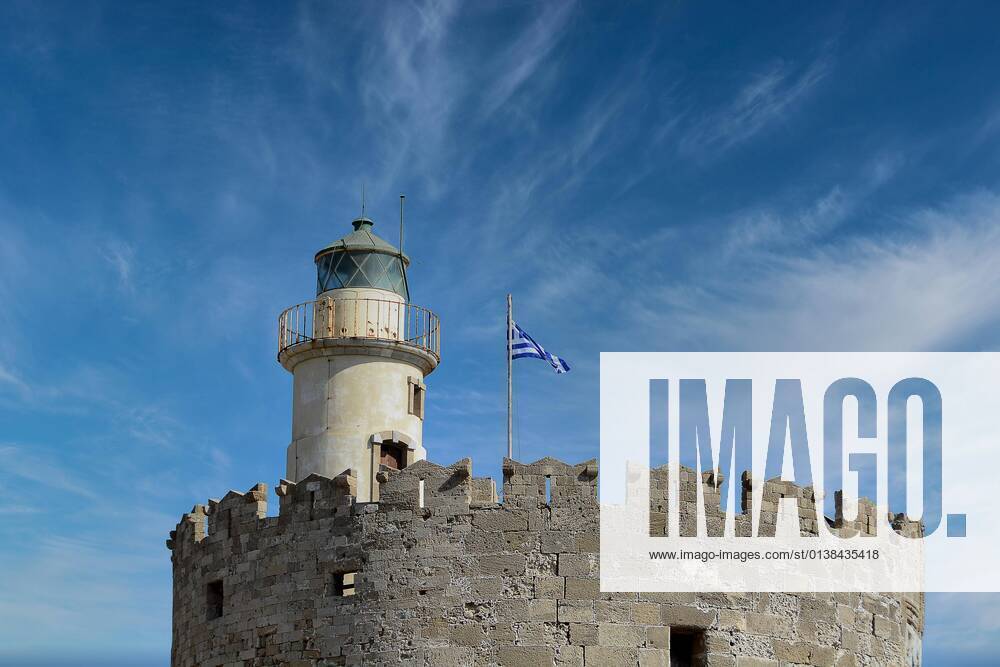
(359,354)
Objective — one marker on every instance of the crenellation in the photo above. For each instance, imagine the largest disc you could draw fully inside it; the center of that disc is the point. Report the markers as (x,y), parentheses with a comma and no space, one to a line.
(484,492)
(549,482)
(237,512)
(190,530)
(316,497)
(865,521)
(773,495)
(427,486)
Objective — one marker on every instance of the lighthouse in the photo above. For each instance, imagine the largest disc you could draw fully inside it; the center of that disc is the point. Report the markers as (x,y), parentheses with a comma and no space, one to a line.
(359,354)
(381,566)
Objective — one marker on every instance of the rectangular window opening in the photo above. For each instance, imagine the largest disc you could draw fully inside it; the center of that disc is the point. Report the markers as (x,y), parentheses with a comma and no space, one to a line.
(417,393)
(548,489)
(214,599)
(342,584)
(687,647)
(420,493)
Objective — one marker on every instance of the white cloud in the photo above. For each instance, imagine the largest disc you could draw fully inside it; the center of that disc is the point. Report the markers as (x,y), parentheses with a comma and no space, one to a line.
(10,379)
(18,509)
(525,55)
(932,285)
(772,228)
(409,88)
(767,97)
(121,257)
(421,90)
(19,462)
(769,228)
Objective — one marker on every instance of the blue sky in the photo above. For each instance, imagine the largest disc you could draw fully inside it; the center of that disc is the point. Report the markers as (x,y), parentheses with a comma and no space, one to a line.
(682,176)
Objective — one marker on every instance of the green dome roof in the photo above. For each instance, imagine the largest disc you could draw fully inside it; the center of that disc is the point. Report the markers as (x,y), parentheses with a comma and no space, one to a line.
(363,238)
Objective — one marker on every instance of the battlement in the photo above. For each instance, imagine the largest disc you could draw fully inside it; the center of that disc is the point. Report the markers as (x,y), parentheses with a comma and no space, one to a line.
(546,482)
(440,571)
(775,497)
(420,486)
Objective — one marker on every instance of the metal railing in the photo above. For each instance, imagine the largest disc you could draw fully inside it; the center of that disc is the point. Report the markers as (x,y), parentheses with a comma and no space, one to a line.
(380,319)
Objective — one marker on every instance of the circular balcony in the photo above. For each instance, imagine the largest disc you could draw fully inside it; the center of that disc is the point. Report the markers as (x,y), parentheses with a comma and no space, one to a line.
(359,325)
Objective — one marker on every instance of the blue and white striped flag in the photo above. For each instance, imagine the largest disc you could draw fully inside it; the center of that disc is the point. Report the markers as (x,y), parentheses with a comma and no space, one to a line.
(523,345)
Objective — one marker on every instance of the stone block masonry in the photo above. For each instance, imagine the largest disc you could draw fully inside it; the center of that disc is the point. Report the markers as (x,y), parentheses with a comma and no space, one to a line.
(437,572)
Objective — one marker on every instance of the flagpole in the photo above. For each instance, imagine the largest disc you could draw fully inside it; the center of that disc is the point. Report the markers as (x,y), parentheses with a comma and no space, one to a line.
(510,379)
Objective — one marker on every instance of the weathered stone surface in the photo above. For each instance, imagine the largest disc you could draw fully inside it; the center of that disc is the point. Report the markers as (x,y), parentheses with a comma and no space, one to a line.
(582,588)
(618,634)
(526,656)
(611,656)
(651,657)
(658,637)
(688,617)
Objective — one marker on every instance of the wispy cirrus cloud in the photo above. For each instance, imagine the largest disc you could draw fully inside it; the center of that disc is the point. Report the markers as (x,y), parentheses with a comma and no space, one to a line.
(419,88)
(768,97)
(18,509)
(526,54)
(410,90)
(19,461)
(769,228)
(120,256)
(931,284)
(772,227)
(15,382)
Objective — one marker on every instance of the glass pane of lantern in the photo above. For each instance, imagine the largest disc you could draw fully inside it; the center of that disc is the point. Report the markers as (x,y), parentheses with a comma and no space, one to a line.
(346,268)
(320,275)
(379,278)
(367,265)
(395,276)
(324,274)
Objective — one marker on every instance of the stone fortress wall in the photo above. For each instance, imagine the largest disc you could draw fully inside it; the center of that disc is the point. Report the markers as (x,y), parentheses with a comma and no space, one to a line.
(437,572)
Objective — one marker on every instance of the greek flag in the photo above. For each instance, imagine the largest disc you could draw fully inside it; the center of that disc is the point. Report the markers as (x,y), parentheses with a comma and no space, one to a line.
(523,345)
